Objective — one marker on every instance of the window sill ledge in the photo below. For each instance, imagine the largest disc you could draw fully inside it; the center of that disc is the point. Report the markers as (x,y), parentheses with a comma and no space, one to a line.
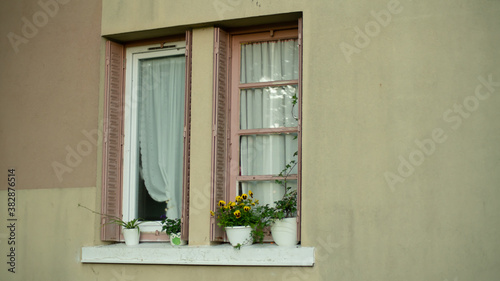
(224,254)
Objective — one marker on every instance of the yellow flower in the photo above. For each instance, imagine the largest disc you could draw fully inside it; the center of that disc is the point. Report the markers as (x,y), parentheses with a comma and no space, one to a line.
(212,213)
(246,208)
(250,193)
(238,198)
(231,204)
(221,203)
(256,201)
(244,196)
(241,204)
(253,204)
(237,214)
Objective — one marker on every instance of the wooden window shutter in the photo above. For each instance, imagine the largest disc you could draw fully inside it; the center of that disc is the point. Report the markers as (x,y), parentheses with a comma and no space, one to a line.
(220,132)
(187,140)
(299,156)
(113,140)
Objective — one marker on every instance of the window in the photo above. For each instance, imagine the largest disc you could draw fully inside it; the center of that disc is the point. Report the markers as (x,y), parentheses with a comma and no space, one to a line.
(146,130)
(258,117)
(271,127)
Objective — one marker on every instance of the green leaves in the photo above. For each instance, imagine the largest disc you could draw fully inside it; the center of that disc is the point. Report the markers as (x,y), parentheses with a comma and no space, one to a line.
(128,225)
(295,99)
(171,225)
(286,207)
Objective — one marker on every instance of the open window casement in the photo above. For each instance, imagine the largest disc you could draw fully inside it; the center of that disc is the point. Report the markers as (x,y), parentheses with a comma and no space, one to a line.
(187,140)
(257,119)
(113,141)
(146,136)
(219,128)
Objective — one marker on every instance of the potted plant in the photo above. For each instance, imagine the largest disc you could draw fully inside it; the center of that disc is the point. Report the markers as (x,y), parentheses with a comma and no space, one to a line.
(238,219)
(284,219)
(283,216)
(173,229)
(131,231)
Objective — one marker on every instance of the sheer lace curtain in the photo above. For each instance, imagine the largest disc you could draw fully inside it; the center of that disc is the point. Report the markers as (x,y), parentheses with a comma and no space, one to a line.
(161,128)
(268,107)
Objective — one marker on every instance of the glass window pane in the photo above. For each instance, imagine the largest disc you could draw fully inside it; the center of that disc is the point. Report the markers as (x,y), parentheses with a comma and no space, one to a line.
(147,208)
(266,191)
(268,107)
(160,104)
(267,154)
(269,61)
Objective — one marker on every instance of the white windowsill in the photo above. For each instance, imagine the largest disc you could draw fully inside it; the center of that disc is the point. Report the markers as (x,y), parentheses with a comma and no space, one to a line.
(224,254)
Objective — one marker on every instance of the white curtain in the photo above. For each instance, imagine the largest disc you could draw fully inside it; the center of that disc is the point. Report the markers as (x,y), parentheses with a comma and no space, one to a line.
(268,107)
(161,127)
(269,61)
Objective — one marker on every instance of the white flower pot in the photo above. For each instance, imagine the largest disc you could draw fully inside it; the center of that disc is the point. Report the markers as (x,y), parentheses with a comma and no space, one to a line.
(285,232)
(239,235)
(175,239)
(131,236)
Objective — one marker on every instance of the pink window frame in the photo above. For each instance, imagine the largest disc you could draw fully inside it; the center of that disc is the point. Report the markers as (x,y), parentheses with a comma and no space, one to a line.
(112,232)
(236,86)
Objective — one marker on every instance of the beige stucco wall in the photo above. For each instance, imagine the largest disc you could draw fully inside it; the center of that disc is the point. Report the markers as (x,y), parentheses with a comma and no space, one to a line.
(49,83)
(368,103)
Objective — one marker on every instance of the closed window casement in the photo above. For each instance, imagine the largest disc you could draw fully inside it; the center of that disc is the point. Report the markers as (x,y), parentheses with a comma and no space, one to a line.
(257,116)
(146,135)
